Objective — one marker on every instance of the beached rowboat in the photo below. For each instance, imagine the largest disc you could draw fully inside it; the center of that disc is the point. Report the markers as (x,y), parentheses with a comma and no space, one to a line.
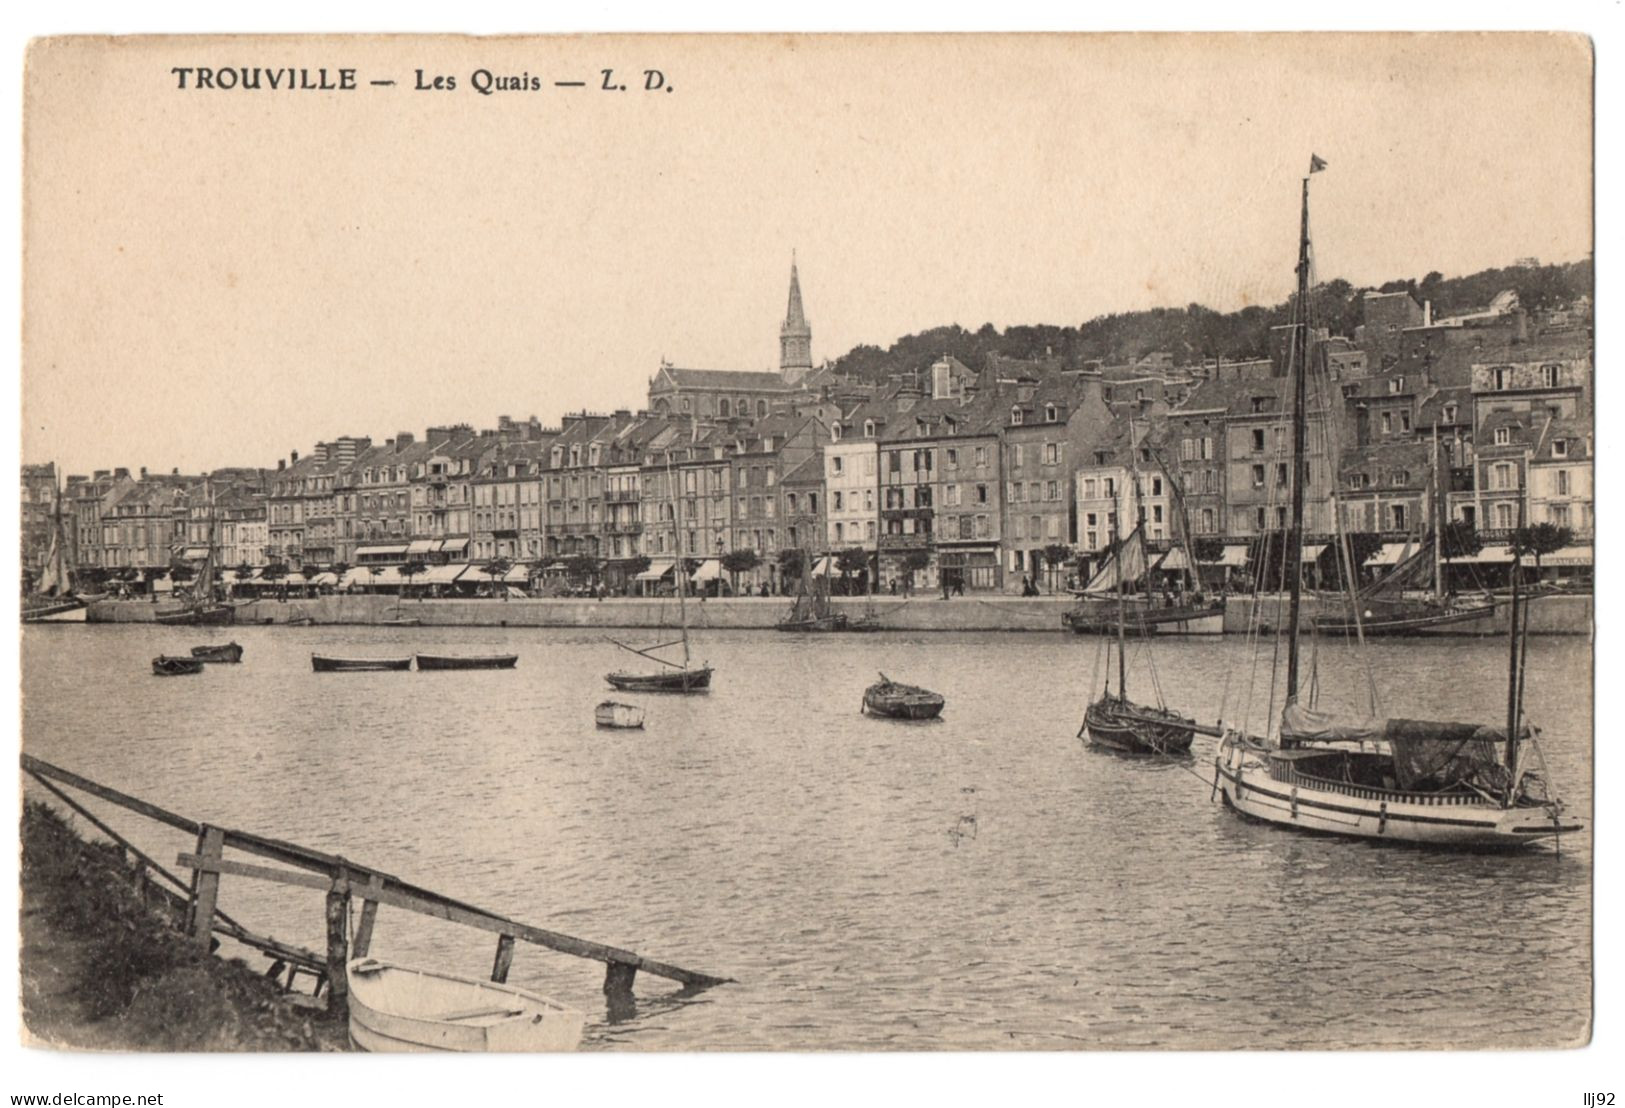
(323,664)
(398,1009)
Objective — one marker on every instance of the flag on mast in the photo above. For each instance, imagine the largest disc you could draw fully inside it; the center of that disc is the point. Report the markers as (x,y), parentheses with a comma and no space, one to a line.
(1316,163)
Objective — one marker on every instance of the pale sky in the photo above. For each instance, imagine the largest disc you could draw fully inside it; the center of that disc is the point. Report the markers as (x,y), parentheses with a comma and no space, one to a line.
(217,278)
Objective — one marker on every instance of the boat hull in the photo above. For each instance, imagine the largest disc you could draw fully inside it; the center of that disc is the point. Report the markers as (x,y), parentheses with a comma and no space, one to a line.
(614,715)
(395,1009)
(909,704)
(323,664)
(67,611)
(445,661)
(677,681)
(1481,620)
(1162,621)
(819,623)
(198,617)
(173,666)
(1135,729)
(1242,775)
(229,653)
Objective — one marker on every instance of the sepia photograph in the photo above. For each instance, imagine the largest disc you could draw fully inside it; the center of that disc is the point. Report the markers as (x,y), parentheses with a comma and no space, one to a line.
(807,543)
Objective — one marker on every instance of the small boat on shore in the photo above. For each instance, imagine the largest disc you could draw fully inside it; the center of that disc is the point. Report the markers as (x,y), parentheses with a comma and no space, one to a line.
(325,664)
(896,701)
(396,1009)
(173,665)
(227,652)
(618,716)
(467,661)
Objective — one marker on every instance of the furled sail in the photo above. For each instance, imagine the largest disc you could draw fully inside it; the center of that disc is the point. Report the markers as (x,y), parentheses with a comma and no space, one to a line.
(1428,754)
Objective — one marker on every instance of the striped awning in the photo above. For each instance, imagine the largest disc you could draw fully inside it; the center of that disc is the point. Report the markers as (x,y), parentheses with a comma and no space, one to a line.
(454,546)
(420,546)
(1392,553)
(440,575)
(822,567)
(379,551)
(1313,551)
(658,568)
(709,570)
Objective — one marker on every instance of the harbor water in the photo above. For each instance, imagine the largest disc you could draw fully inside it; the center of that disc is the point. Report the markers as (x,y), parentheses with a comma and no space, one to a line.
(981,881)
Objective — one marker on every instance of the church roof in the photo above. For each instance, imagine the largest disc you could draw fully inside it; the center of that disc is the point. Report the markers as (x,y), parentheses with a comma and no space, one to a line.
(747,380)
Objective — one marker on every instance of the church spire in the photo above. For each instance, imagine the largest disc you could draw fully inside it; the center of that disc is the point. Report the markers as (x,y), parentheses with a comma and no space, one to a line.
(795,336)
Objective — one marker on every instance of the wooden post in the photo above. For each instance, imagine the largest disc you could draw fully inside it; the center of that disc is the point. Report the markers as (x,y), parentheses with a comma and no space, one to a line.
(338,919)
(504,959)
(206,886)
(369,913)
(618,979)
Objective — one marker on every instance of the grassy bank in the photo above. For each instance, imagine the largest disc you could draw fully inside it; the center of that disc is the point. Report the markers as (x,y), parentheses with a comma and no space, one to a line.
(104,970)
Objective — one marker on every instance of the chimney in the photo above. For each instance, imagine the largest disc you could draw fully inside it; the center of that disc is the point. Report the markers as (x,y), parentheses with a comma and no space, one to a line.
(143,473)
(281,464)
(1427,313)
(403,439)
(176,472)
(100,475)
(1520,326)
(120,473)
(293,456)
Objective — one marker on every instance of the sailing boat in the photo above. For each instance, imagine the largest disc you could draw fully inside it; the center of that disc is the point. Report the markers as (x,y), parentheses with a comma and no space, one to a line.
(1382,608)
(812,610)
(676,677)
(53,600)
(1443,783)
(1115,721)
(1096,612)
(202,607)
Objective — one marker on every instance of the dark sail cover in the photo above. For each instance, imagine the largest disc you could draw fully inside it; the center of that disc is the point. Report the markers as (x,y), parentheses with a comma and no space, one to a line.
(1432,755)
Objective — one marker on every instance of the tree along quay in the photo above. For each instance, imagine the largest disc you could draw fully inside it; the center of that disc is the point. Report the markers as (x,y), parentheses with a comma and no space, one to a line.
(1553,615)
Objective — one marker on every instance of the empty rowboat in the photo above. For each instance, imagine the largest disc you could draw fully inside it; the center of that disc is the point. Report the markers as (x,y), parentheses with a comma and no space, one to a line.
(614,714)
(467,661)
(896,701)
(170,665)
(324,664)
(229,652)
(399,1009)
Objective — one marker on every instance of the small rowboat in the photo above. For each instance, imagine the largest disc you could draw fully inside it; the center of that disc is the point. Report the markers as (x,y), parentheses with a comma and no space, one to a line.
(613,713)
(1122,725)
(677,680)
(397,1009)
(404,621)
(322,664)
(170,665)
(230,652)
(467,661)
(894,701)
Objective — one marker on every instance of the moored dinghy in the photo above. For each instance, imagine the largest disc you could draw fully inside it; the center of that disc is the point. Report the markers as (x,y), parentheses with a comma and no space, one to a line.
(617,715)
(228,652)
(467,661)
(897,701)
(172,665)
(397,1009)
(326,664)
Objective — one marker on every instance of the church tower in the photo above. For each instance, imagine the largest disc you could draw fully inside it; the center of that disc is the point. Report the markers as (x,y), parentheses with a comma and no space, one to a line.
(795,336)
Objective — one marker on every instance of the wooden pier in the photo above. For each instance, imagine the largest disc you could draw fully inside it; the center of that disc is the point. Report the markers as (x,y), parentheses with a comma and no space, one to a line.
(195,902)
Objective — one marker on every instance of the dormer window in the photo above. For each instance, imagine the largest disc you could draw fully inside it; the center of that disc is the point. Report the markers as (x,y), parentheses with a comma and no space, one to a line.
(1503,436)
(1396,385)
(1560,448)
(1050,414)
(1015,417)
(835,432)
(1450,413)
(868,428)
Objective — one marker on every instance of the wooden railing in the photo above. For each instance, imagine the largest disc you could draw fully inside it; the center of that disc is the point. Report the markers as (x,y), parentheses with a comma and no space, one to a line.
(340,878)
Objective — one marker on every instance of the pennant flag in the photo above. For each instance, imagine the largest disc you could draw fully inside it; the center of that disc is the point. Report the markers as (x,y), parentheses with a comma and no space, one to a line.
(1316,163)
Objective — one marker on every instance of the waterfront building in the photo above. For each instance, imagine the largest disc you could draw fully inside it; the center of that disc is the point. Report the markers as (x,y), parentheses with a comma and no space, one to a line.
(851,475)
(1047,427)
(1560,477)
(760,455)
(1195,462)
(86,498)
(1107,506)
(1387,488)
(575,486)
(635,439)
(39,500)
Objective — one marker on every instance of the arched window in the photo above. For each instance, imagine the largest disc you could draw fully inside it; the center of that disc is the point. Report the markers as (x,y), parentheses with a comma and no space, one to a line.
(742,406)
(722,408)
(761,409)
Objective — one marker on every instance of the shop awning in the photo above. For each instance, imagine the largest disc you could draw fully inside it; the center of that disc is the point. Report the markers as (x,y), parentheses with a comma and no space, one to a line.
(1392,553)
(379,551)
(326,578)
(454,546)
(709,570)
(1235,556)
(658,568)
(1489,555)
(1313,551)
(293,579)
(822,567)
(440,575)
(1568,556)
(420,546)
(356,575)
(195,552)
(386,575)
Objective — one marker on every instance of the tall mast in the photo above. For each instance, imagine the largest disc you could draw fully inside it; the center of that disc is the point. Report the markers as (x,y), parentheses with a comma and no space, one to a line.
(1438,521)
(1300,423)
(1514,709)
(677,523)
(1122,548)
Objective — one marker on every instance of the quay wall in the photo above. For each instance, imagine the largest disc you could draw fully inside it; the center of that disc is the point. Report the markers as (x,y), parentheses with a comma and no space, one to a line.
(1566,615)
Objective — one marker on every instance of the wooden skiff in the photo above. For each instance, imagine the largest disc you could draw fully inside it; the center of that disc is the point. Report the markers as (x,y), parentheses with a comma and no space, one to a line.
(398,1009)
